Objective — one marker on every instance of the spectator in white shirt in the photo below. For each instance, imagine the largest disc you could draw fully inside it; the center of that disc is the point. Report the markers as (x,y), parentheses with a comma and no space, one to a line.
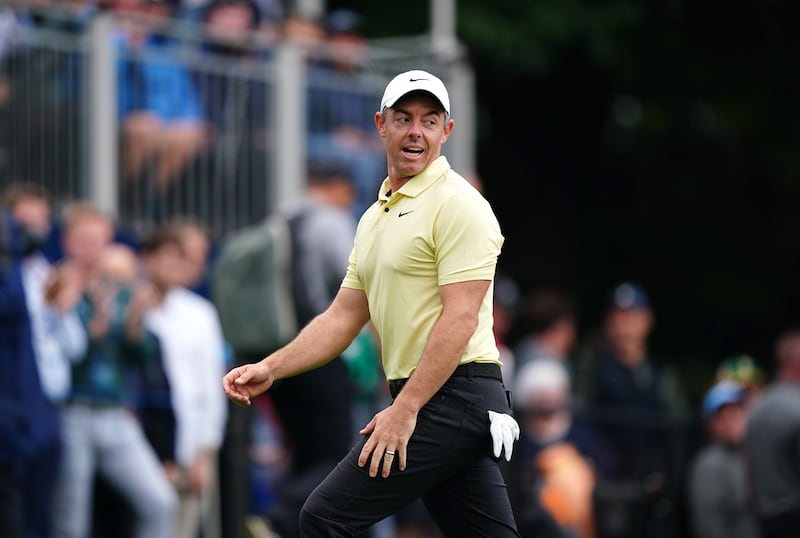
(192,348)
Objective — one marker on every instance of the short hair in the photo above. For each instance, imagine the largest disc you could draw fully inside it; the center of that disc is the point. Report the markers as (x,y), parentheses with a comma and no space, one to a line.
(543,309)
(327,172)
(250,5)
(17,191)
(160,238)
(78,211)
(182,224)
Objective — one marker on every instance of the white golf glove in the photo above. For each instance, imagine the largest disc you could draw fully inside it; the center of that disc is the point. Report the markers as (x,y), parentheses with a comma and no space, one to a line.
(505,431)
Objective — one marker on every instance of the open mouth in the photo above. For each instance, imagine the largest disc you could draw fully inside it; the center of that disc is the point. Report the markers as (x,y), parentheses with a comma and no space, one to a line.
(412,151)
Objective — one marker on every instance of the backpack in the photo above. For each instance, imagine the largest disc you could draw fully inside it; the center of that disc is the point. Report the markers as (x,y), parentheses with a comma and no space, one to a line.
(251,286)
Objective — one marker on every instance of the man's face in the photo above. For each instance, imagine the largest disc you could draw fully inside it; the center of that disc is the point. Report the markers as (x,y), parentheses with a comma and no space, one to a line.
(230,22)
(629,324)
(729,424)
(33,214)
(414,130)
(195,255)
(85,240)
(166,266)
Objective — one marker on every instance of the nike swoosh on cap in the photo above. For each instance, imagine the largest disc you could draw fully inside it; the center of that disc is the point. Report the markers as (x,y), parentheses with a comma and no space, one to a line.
(417,79)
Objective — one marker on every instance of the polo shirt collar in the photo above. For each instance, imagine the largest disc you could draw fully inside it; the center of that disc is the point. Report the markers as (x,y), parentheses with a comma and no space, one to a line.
(419,183)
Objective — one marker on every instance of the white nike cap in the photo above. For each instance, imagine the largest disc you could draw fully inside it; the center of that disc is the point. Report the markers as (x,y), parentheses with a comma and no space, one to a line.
(416,80)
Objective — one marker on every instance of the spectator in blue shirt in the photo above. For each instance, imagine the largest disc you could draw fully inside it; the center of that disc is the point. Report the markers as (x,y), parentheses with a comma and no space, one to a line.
(19,381)
(58,338)
(160,112)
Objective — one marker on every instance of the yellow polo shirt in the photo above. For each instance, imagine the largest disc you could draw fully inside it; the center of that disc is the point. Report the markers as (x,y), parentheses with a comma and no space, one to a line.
(437,229)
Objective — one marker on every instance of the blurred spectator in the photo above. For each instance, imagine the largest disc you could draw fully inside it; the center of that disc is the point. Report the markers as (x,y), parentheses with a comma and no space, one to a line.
(773,444)
(231,25)
(636,404)
(196,248)
(233,454)
(559,458)
(506,300)
(363,360)
(548,327)
(22,400)
(58,340)
(719,500)
(37,84)
(744,370)
(346,47)
(160,112)
(192,348)
(100,433)
(58,335)
(235,100)
(307,33)
(341,108)
(315,408)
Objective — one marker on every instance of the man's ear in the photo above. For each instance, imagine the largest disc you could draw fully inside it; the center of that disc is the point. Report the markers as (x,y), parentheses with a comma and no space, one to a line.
(380,123)
(448,128)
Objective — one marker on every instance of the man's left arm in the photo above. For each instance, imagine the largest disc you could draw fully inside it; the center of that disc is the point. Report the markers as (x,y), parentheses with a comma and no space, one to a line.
(391,429)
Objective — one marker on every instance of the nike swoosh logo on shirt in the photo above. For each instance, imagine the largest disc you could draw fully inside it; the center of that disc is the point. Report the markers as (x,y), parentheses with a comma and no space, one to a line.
(404,213)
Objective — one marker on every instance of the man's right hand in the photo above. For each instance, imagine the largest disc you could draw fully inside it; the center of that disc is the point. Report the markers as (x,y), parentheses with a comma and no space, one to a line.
(245,382)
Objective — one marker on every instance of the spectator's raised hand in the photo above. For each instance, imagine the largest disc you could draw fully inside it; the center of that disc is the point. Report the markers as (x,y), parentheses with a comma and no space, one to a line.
(65,287)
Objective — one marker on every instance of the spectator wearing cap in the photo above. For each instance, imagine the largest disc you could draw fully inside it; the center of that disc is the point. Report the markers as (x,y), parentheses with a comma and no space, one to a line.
(773,444)
(745,370)
(342,105)
(270,11)
(234,101)
(633,401)
(230,26)
(560,456)
(719,499)
(347,49)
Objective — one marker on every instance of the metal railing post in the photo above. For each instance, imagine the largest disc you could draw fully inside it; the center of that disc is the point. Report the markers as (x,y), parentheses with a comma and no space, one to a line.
(443,28)
(461,86)
(460,79)
(102,110)
(289,126)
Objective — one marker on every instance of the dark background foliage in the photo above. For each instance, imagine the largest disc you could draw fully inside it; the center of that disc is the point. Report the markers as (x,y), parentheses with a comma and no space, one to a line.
(655,141)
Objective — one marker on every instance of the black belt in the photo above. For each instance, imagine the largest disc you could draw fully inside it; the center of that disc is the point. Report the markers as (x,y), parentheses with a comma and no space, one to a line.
(470,369)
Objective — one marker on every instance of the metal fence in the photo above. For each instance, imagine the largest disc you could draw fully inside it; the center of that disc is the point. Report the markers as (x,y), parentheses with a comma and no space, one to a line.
(254,117)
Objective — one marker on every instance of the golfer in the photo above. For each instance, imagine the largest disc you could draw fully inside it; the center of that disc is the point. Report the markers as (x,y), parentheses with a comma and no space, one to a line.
(422,269)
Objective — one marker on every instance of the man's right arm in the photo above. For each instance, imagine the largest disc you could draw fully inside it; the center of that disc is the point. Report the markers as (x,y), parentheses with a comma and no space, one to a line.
(324,338)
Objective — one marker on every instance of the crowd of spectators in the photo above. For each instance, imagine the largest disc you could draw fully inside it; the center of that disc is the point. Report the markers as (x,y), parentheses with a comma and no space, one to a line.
(192,97)
(113,355)
(610,446)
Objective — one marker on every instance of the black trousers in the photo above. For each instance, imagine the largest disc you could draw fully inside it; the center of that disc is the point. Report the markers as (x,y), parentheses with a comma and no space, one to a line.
(11,503)
(785,525)
(449,466)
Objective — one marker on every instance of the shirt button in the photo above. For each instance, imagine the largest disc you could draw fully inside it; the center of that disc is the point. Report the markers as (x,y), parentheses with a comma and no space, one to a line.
(385,209)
